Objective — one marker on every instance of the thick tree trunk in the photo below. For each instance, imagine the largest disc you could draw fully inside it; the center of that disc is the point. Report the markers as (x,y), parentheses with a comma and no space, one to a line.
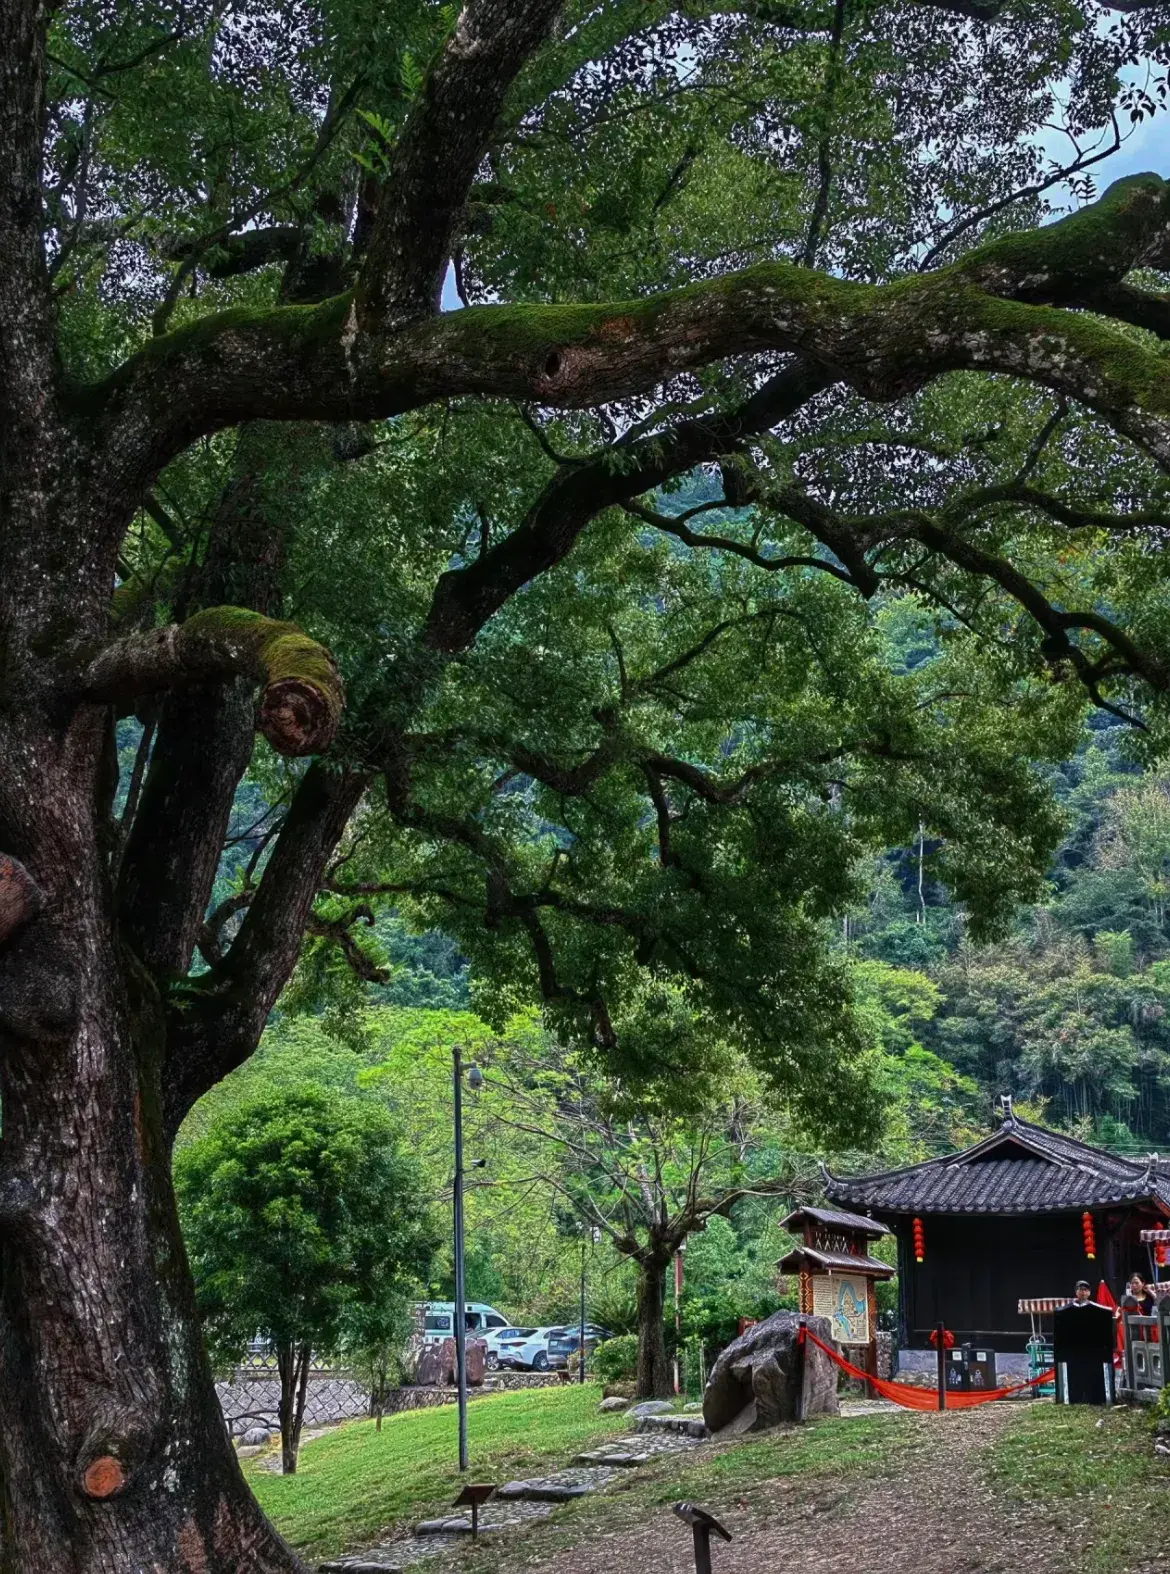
(114,1458)
(654,1376)
(113,1451)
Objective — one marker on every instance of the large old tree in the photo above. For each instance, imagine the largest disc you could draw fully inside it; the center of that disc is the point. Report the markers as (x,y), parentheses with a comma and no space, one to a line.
(627,749)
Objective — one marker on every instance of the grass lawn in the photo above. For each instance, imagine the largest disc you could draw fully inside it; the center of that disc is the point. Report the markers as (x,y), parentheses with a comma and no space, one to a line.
(353,1484)
(1096,1473)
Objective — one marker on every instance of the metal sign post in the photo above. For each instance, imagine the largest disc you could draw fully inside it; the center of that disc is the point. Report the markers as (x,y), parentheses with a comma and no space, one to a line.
(703,1525)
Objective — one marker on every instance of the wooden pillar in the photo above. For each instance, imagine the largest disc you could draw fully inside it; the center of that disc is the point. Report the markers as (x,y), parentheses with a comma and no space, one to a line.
(871,1304)
(940,1336)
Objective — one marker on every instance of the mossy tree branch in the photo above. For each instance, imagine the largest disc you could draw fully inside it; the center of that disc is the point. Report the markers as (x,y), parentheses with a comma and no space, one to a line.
(303,695)
(1011,306)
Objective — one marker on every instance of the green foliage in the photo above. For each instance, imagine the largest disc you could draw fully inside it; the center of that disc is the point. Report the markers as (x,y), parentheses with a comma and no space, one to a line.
(616,1360)
(304,1223)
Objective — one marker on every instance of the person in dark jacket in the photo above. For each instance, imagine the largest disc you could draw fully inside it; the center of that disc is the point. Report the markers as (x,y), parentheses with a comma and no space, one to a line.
(1138,1299)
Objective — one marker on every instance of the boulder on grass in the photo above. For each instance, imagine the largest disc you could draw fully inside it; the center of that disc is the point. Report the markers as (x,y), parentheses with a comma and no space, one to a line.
(757,1381)
(255,1437)
(614,1402)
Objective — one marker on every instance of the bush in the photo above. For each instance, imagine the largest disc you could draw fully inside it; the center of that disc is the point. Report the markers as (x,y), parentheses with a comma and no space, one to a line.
(615,1359)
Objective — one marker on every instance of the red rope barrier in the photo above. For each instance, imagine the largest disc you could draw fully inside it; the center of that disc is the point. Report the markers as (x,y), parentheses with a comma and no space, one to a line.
(911,1398)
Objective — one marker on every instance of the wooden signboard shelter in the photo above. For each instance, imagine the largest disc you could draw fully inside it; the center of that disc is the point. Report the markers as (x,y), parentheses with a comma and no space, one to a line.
(837,1275)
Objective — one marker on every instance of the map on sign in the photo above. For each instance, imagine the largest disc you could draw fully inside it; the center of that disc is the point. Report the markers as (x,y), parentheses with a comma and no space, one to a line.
(844,1299)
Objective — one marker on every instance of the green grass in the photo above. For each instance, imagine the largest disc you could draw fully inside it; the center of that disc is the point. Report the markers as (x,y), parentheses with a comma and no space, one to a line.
(1096,1473)
(355,1483)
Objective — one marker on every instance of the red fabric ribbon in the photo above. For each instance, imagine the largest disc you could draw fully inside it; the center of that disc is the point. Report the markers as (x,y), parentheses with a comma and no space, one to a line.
(911,1398)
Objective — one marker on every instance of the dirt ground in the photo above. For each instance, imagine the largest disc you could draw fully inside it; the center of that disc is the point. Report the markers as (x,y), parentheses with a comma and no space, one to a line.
(940,1516)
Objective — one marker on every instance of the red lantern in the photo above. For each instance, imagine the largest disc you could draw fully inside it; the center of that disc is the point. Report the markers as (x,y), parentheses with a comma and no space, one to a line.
(1089,1234)
(1162,1255)
(919,1241)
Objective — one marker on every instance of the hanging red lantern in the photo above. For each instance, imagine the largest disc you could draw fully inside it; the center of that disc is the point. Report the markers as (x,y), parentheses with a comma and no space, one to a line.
(919,1241)
(1162,1255)
(1090,1235)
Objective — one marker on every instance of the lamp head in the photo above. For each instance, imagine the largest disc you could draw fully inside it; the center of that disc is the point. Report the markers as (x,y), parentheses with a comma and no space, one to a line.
(474,1077)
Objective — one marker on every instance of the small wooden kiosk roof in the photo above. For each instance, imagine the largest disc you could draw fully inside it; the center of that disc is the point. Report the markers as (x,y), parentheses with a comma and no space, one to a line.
(833,1219)
(834,1262)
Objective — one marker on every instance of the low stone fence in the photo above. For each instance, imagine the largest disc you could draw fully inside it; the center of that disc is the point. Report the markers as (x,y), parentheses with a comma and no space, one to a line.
(251,1396)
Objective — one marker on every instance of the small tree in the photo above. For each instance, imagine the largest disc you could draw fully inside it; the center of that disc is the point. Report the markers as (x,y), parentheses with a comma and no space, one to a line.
(648,1166)
(303,1223)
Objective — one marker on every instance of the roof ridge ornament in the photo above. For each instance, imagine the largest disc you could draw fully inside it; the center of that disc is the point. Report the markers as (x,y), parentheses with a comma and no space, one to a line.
(1005,1104)
(1150,1178)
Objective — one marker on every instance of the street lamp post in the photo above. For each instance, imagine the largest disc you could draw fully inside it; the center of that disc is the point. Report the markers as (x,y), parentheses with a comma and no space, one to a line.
(475,1080)
(588,1237)
(581,1342)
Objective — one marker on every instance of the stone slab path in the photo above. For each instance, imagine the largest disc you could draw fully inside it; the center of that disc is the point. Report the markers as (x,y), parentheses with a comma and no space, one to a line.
(517,1503)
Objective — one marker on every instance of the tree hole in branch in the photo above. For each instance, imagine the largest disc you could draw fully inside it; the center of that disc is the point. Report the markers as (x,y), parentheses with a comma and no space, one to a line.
(552,365)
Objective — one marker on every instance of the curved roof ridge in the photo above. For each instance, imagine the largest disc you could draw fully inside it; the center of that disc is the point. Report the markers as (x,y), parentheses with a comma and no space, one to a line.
(1048,1171)
(1062,1139)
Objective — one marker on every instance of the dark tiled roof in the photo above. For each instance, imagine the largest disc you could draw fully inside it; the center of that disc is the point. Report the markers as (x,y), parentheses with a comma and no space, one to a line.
(835,1219)
(838,1262)
(1020,1169)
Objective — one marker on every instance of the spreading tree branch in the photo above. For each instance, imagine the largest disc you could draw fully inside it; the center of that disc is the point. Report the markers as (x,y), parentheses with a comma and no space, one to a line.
(303,695)
(215,1020)
(438,153)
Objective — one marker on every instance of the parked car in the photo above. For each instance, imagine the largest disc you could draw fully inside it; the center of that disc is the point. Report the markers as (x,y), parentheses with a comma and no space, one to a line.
(496,1341)
(438,1319)
(566,1342)
(527,1351)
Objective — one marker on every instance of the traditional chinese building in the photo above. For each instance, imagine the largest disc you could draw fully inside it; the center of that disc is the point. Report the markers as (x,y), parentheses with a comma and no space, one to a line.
(1024,1214)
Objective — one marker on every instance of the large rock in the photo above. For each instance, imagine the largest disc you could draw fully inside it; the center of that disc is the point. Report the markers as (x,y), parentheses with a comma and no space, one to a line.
(757,1381)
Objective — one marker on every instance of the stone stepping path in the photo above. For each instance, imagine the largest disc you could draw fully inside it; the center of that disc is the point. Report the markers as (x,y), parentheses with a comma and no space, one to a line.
(517,1503)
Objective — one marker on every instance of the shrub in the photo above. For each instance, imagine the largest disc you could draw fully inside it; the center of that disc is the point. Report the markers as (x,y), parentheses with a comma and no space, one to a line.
(615,1359)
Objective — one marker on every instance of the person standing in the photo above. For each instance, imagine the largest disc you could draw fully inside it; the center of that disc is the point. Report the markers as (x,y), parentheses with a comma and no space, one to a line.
(1138,1299)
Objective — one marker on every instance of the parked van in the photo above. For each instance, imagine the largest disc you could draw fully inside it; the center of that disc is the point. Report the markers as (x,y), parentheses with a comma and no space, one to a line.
(437,1319)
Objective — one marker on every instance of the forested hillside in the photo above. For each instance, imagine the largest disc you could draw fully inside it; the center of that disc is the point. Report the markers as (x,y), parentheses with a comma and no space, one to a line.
(1071,1007)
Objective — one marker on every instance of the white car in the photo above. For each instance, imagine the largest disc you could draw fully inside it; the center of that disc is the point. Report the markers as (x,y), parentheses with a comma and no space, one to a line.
(524,1348)
(493,1340)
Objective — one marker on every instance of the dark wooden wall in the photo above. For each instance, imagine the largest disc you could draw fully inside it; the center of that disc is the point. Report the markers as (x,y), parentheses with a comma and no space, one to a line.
(978,1267)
